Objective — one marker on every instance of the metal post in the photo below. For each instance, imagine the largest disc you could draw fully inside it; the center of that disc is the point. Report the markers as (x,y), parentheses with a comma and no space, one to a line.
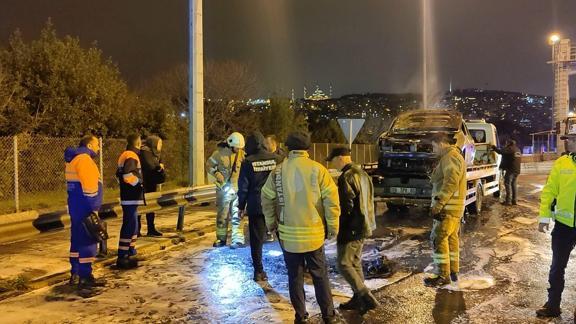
(101,158)
(424,55)
(195,95)
(370,153)
(16,180)
(180,224)
(326,154)
(314,151)
(350,134)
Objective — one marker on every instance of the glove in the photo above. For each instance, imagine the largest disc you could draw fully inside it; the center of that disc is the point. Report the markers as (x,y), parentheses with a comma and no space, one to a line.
(330,236)
(435,211)
(543,227)
(219,177)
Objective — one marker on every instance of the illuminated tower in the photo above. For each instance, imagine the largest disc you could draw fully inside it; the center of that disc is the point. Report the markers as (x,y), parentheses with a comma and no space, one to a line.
(564,65)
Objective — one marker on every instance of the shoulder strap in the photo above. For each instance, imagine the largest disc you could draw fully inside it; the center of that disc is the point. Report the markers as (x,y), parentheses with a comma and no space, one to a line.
(233,166)
(279,192)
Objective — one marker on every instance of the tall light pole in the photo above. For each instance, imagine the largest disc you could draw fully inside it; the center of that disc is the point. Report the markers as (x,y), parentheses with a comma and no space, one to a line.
(195,95)
(425,25)
(564,63)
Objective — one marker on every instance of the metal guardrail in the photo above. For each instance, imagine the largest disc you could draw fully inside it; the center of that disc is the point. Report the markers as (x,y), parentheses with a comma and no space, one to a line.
(23,225)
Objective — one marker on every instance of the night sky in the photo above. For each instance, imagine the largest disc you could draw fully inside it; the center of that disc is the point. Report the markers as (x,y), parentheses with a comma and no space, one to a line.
(356,46)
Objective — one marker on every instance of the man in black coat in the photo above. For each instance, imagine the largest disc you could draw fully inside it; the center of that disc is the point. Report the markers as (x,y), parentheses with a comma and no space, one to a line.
(511,164)
(357,221)
(153,173)
(254,172)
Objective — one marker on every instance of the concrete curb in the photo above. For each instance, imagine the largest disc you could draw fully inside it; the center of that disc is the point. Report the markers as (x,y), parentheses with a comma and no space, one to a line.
(18,226)
(148,250)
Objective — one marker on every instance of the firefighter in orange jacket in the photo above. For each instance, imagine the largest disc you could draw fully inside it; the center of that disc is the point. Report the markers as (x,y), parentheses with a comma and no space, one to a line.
(131,196)
(84,188)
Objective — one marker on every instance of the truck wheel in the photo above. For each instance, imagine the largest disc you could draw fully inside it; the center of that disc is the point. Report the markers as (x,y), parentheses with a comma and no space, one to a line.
(476,207)
(496,194)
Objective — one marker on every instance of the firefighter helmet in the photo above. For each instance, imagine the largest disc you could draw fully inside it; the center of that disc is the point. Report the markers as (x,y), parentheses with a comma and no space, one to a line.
(236,140)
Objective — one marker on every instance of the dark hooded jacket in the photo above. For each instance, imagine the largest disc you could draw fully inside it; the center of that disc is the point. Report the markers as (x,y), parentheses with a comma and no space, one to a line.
(511,158)
(254,172)
(150,159)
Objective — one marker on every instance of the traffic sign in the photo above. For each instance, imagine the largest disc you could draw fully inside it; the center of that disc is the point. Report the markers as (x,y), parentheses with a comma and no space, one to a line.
(351,128)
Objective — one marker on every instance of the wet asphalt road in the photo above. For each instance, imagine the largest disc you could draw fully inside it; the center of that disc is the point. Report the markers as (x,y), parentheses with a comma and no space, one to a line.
(504,267)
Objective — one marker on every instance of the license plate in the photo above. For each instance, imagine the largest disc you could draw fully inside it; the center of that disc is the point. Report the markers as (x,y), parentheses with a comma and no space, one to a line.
(403,190)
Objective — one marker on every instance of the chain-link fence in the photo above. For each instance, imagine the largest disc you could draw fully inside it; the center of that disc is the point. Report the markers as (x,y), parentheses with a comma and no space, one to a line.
(32,168)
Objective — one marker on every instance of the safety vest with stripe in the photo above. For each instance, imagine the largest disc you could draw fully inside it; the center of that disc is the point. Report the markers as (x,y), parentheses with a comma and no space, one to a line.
(560,187)
(300,200)
(129,175)
(449,182)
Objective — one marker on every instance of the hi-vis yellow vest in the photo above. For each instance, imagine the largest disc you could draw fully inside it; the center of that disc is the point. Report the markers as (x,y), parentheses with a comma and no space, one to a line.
(561,185)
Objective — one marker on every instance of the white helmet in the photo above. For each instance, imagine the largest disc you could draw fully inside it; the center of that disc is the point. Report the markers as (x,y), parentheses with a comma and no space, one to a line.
(236,140)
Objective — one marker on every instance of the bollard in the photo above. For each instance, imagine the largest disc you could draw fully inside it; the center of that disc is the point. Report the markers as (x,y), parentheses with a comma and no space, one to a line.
(180,225)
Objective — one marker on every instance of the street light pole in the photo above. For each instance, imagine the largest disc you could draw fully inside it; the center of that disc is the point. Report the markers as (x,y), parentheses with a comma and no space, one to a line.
(195,95)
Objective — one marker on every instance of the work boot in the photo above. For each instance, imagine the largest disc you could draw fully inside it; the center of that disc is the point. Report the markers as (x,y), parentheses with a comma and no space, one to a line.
(352,304)
(454,276)
(236,245)
(86,286)
(137,258)
(260,276)
(219,243)
(125,263)
(91,281)
(548,311)
(74,280)
(154,233)
(436,281)
(302,320)
(86,290)
(334,319)
(367,302)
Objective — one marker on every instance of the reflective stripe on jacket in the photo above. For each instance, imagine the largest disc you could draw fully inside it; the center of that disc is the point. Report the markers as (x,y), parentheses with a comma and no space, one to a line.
(310,203)
(222,161)
(129,175)
(560,187)
(83,181)
(449,182)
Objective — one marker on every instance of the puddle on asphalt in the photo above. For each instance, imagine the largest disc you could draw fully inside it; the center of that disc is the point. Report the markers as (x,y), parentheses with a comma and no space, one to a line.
(448,305)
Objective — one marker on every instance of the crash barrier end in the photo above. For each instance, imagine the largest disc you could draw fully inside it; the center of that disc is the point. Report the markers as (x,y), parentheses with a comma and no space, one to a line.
(19,226)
